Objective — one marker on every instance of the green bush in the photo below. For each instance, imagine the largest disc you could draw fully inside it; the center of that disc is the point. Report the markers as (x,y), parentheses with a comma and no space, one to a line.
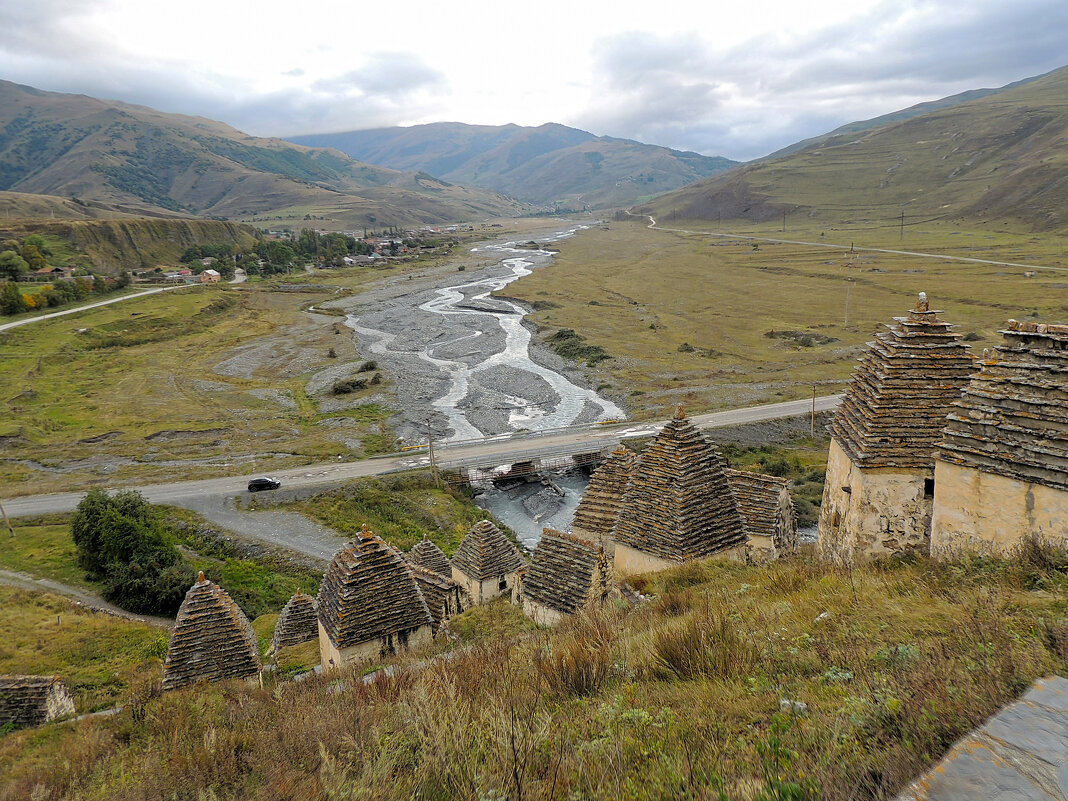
(120,541)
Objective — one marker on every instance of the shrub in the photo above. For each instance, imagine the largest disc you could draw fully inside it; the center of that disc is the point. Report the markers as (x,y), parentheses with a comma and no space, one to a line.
(707,645)
(367,366)
(120,541)
(686,347)
(344,386)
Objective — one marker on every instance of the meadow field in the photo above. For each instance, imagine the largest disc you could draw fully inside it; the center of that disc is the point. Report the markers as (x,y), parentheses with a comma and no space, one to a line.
(714,321)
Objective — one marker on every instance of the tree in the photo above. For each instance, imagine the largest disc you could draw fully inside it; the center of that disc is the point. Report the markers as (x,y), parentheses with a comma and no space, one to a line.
(11,301)
(12,265)
(38,242)
(120,540)
(33,257)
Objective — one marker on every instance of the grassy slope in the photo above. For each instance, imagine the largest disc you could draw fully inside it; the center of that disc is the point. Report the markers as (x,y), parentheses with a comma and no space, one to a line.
(642,294)
(981,163)
(133,156)
(400,509)
(99,657)
(141,370)
(670,699)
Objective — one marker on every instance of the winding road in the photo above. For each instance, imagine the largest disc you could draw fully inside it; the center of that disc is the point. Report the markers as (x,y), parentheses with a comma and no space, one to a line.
(853,248)
(500,449)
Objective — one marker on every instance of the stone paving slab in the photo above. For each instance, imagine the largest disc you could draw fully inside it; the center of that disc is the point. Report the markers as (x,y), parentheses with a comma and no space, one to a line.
(1020,754)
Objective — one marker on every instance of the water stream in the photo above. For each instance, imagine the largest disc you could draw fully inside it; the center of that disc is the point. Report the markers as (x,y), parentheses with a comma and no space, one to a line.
(478,351)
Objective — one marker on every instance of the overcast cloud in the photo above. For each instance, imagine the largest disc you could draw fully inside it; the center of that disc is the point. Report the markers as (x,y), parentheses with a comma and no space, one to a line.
(736,81)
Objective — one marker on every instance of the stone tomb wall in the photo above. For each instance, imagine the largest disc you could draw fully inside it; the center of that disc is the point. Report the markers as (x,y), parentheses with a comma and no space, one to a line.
(875,511)
(983,512)
(362,653)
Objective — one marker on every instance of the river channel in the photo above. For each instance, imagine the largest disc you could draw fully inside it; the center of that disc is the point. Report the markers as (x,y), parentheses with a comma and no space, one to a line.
(464,361)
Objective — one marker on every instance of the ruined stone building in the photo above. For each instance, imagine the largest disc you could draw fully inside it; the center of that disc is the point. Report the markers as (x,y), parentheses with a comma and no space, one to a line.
(879,491)
(486,564)
(298,622)
(678,506)
(426,554)
(597,512)
(33,700)
(565,574)
(767,513)
(444,597)
(212,639)
(369,605)
(1002,468)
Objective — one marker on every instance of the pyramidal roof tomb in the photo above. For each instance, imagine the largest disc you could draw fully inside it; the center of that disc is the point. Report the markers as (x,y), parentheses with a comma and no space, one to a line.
(212,639)
(598,510)
(896,404)
(368,594)
(428,555)
(678,505)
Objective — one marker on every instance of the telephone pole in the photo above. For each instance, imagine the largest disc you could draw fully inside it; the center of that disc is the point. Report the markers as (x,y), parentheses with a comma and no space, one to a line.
(902,236)
(812,427)
(430,449)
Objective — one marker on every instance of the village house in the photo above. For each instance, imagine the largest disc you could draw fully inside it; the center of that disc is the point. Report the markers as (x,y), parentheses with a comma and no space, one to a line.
(486,564)
(210,277)
(678,505)
(33,700)
(566,573)
(212,639)
(370,605)
(879,492)
(1001,471)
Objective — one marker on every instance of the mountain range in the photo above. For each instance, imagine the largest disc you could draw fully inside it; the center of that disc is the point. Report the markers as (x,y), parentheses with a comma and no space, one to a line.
(549,164)
(144,161)
(989,155)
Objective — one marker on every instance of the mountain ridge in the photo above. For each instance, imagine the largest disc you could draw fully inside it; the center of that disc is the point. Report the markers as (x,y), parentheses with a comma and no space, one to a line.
(995,157)
(550,164)
(115,153)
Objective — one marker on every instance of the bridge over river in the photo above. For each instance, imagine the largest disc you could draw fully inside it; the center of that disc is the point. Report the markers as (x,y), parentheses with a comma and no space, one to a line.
(489,453)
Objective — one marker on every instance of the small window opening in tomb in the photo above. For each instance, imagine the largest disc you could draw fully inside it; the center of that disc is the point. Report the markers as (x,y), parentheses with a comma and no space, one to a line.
(836,519)
(928,488)
(502,584)
(847,490)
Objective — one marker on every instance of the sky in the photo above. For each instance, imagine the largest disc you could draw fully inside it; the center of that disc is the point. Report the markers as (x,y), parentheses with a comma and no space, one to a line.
(739,80)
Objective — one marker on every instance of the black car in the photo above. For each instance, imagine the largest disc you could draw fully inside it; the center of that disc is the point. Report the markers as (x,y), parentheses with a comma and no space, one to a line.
(263,483)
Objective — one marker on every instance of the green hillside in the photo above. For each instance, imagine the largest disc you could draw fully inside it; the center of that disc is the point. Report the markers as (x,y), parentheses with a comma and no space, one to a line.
(143,160)
(550,164)
(999,157)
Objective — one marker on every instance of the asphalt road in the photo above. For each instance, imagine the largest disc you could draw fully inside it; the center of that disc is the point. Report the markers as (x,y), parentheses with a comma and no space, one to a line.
(77,309)
(496,450)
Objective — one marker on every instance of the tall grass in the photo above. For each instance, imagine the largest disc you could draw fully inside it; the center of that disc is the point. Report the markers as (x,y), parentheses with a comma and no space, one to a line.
(668,699)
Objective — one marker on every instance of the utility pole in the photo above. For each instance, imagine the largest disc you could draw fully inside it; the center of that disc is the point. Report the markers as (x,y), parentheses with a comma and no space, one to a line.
(812,427)
(902,236)
(7,522)
(784,220)
(430,449)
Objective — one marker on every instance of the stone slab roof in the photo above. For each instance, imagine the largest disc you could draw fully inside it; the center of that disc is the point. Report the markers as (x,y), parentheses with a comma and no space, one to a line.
(598,510)
(896,404)
(1012,418)
(297,623)
(426,554)
(566,572)
(33,700)
(486,553)
(679,506)
(444,597)
(1020,754)
(766,506)
(212,639)
(368,592)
